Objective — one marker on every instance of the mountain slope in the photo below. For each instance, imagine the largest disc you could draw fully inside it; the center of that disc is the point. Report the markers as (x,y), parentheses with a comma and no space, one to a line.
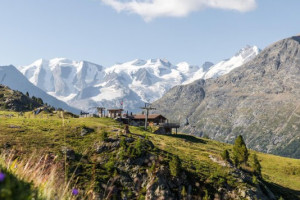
(15,100)
(108,164)
(259,100)
(85,85)
(12,78)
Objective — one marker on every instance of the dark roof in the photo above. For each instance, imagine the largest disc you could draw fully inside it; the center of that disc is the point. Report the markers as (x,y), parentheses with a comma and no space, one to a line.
(115,109)
(151,116)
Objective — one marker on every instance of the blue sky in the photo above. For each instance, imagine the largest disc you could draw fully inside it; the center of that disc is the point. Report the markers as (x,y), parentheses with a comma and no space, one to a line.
(104,33)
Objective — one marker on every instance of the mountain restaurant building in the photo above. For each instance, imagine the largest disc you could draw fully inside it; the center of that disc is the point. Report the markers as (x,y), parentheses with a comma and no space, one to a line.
(155,119)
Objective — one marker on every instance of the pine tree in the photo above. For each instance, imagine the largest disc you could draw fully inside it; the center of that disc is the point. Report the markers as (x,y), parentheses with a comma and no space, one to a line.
(27,94)
(240,151)
(40,101)
(256,165)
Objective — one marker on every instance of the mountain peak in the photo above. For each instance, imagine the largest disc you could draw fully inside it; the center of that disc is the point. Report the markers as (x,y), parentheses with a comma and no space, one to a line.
(83,84)
(207,65)
(248,50)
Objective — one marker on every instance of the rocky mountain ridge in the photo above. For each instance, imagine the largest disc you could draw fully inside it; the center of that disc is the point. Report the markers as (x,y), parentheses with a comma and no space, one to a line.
(85,85)
(259,100)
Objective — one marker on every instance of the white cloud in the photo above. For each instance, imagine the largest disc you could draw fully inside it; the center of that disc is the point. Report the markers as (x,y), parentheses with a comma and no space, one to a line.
(150,9)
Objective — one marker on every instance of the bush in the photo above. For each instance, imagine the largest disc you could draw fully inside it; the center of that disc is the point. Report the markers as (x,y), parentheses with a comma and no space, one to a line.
(225,155)
(104,136)
(175,166)
(140,147)
(183,192)
(110,166)
(123,143)
(254,180)
(206,196)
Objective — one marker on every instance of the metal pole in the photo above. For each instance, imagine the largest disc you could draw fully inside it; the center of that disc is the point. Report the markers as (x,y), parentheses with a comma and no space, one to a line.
(146,118)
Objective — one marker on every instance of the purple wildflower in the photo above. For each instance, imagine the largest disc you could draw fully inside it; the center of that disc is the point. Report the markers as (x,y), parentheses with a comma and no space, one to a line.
(75,191)
(2,176)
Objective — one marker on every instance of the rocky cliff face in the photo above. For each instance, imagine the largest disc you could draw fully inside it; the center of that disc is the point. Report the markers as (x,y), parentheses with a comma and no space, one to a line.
(16,101)
(259,100)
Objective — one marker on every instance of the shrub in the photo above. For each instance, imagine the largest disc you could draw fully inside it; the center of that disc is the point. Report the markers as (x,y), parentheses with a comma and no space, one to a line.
(183,192)
(139,147)
(104,136)
(152,168)
(225,155)
(175,166)
(123,143)
(206,196)
(254,180)
(110,166)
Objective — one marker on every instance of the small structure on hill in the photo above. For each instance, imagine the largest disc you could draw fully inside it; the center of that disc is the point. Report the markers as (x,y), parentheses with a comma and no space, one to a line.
(101,111)
(154,119)
(84,114)
(158,120)
(166,128)
(115,113)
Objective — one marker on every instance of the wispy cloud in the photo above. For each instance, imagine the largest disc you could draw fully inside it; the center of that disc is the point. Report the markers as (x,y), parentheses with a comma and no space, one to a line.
(150,9)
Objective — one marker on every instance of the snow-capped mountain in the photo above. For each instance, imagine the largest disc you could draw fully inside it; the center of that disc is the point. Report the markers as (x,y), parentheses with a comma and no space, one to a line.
(85,85)
(63,78)
(10,76)
(243,56)
(224,67)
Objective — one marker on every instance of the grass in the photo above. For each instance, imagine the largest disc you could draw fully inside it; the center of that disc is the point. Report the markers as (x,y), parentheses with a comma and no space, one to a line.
(44,135)
(280,171)
(12,187)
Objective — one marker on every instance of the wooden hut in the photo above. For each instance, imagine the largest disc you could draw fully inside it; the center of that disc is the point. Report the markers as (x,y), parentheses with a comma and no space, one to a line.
(115,113)
(156,119)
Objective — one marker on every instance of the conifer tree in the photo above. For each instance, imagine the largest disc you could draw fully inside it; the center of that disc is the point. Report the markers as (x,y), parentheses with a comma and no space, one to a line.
(240,151)
(256,165)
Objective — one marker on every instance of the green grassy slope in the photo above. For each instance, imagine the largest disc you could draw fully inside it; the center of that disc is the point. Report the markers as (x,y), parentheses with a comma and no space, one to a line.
(33,136)
(282,173)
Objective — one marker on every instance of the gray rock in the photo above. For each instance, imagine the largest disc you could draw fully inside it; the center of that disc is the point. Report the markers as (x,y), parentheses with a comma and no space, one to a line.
(259,100)
(86,130)
(70,153)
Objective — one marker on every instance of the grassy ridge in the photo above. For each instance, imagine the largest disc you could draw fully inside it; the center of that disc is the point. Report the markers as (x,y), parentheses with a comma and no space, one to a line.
(49,133)
(284,172)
